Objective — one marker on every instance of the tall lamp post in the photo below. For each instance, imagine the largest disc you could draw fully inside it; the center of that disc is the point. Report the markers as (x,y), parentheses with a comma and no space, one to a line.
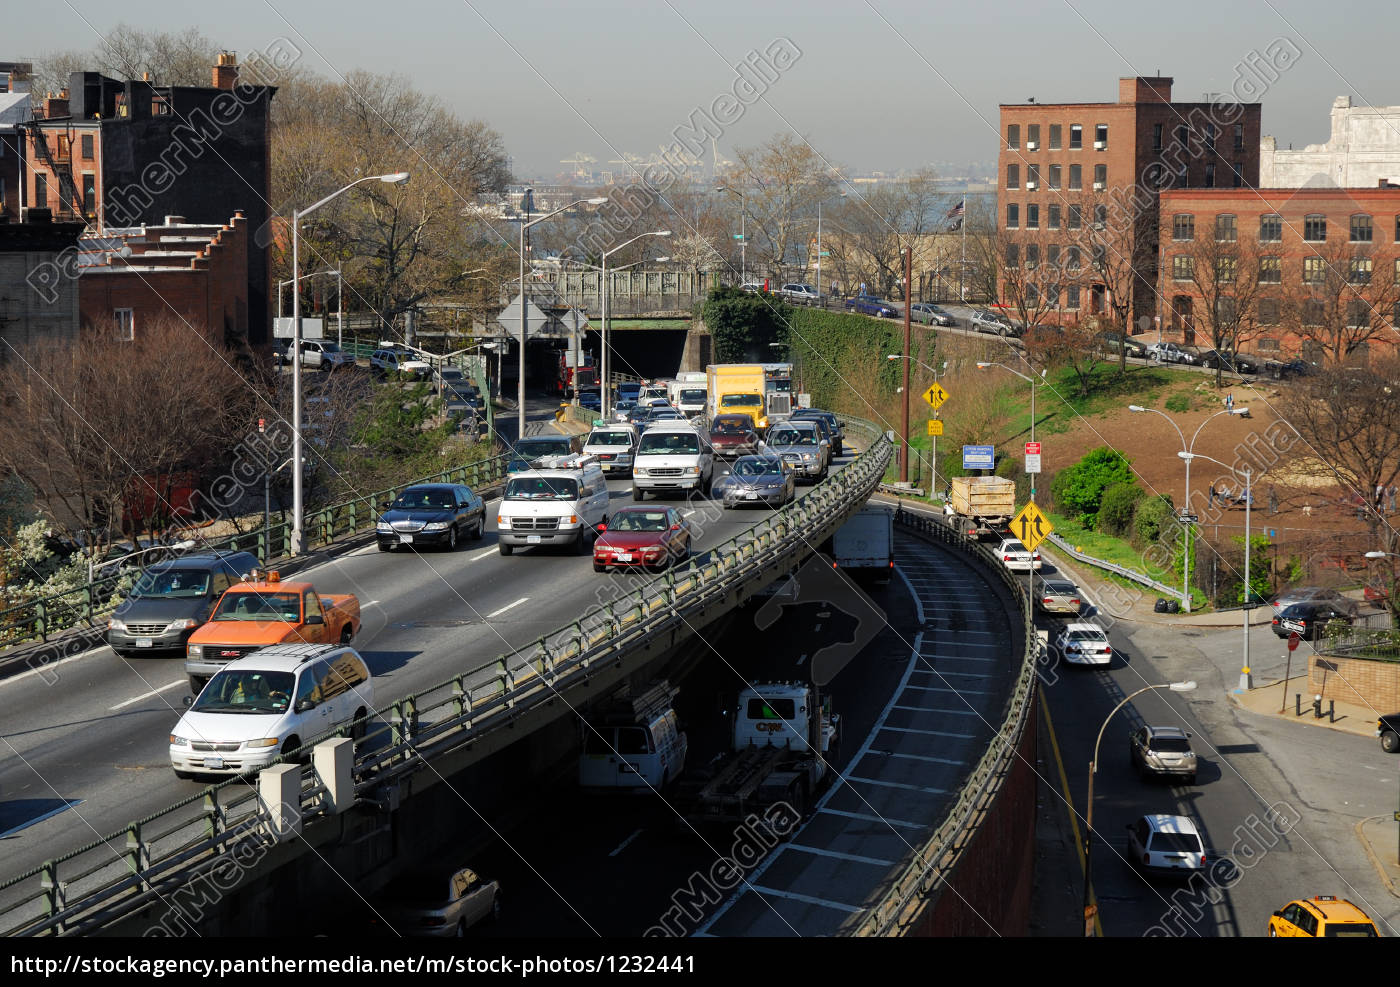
(298,536)
(1186,494)
(1089,907)
(603,364)
(524,305)
(1248,589)
(743,234)
(1028,380)
(933,464)
(602,328)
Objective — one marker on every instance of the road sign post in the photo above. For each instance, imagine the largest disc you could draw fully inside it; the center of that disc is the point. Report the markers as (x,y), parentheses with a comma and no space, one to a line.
(1032,457)
(1288,668)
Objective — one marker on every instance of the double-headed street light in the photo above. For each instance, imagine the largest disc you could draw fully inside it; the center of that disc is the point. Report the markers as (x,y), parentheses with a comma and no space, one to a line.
(1089,907)
(603,367)
(298,537)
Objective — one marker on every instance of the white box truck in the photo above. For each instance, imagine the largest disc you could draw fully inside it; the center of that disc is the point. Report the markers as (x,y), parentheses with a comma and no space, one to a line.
(864,545)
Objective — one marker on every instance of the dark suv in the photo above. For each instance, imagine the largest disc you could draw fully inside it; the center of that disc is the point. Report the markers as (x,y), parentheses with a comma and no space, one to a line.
(1388,729)
(836,434)
(172,599)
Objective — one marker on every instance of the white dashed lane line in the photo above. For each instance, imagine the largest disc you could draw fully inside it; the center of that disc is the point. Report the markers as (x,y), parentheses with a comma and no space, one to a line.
(147,695)
(508,606)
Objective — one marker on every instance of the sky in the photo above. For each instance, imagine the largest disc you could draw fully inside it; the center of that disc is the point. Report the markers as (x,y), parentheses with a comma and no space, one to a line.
(887,85)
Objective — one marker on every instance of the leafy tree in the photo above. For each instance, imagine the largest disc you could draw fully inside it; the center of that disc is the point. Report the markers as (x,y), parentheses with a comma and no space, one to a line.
(1080,488)
(1117,508)
(744,325)
(1152,518)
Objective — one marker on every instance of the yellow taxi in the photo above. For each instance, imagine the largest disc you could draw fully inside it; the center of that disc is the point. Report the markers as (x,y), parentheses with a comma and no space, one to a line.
(1321,915)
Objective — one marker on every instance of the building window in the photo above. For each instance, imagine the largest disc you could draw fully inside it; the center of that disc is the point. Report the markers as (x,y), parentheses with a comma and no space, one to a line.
(1361,229)
(1270,270)
(1076,177)
(1183,137)
(1032,136)
(1210,175)
(1224,270)
(1013,176)
(1397,270)
(1315,228)
(1054,176)
(1238,169)
(1052,217)
(41,191)
(1359,270)
(1182,179)
(1032,255)
(1156,137)
(1032,216)
(1239,137)
(1072,259)
(1100,216)
(1013,216)
(1013,135)
(1072,296)
(1225,310)
(1314,270)
(1032,295)
(1225,230)
(1013,255)
(87,147)
(1074,221)
(1100,176)
(126,324)
(1358,313)
(1076,136)
(1032,176)
(1268,310)
(89,194)
(1270,228)
(1271,345)
(1052,253)
(1183,226)
(1182,267)
(1054,137)
(1395,315)
(1397,229)
(1100,136)
(1210,137)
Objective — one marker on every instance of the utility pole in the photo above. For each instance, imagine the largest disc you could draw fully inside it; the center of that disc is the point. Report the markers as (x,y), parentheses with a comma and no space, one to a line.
(904,459)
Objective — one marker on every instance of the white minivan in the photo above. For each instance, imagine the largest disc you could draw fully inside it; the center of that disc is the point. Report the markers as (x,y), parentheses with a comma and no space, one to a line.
(647,752)
(672,456)
(613,445)
(559,502)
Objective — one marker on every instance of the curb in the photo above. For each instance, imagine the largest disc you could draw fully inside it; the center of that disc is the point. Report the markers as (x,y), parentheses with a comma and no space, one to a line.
(1288,718)
(1371,854)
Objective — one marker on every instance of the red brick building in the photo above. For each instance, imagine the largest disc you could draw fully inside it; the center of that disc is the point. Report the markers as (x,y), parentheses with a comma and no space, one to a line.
(194,272)
(1306,271)
(1078,186)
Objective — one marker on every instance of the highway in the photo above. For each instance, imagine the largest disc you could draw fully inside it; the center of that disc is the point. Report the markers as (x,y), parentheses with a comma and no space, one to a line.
(86,747)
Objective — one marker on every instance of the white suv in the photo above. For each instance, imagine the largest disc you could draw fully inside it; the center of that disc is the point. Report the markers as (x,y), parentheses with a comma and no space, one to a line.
(613,445)
(672,456)
(559,502)
(260,707)
(324,353)
(1166,845)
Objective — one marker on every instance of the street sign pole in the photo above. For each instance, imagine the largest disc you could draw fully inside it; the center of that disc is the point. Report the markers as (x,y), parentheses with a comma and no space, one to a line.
(1288,669)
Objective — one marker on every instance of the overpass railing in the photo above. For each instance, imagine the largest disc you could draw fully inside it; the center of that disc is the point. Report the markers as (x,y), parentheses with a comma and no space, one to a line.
(156,856)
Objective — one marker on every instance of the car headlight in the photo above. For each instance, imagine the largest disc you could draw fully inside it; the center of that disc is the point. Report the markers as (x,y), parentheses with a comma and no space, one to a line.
(435,526)
(502,521)
(261,743)
(641,471)
(184,623)
(178,741)
(692,471)
(113,624)
(807,457)
(384,528)
(194,651)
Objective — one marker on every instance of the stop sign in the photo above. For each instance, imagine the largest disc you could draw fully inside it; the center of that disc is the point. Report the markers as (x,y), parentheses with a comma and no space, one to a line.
(1293,641)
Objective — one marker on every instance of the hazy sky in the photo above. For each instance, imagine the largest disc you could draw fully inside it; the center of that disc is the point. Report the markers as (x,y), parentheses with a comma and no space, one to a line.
(885,85)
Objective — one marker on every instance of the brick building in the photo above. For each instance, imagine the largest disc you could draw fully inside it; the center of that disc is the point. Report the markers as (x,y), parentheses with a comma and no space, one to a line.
(14,111)
(194,272)
(1077,193)
(125,154)
(1305,271)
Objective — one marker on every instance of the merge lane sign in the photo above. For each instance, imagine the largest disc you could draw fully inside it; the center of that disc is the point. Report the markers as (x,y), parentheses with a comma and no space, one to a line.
(1031,527)
(935,396)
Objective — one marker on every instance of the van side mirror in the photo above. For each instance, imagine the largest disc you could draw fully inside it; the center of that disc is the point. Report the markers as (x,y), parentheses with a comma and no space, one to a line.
(189,701)
(302,705)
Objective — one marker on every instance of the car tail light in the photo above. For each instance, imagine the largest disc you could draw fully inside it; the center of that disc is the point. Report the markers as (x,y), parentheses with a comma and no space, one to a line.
(1006,558)
(1146,859)
(1203,860)
(1108,649)
(1075,601)
(1275,621)
(1046,600)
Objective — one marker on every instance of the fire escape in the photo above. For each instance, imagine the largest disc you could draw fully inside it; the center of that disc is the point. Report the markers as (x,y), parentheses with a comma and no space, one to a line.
(60,163)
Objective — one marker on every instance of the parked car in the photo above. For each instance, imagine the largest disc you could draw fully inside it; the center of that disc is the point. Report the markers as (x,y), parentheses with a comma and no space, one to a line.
(754,480)
(993,323)
(1388,729)
(802,447)
(752,287)
(835,430)
(324,354)
(1058,596)
(930,314)
(1085,643)
(1113,342)
(651,538)
(1308,619)
(1166,845)
(1310,594)
(431,514)
(267,705)
(870,305)
(1017,557)
(733,435)
(1169,353)
(1322,916)
(170,600)
(1237,363)
(1285,369)
(434,903)
(801,294)
(1162,752)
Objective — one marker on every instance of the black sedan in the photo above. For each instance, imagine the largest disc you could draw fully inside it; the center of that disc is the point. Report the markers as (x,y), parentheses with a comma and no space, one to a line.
(436,514)
(1308,619)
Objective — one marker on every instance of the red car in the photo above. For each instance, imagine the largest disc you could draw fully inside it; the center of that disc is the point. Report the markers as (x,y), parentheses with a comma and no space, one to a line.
(651,537)
(733,435)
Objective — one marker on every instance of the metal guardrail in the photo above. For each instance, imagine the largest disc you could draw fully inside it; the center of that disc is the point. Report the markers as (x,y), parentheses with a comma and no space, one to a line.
(1113,567)
(935,862)
(36,620)
(123,870)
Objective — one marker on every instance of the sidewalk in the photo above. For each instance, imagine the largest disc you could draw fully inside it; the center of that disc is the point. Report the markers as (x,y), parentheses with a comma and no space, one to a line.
(1267,700)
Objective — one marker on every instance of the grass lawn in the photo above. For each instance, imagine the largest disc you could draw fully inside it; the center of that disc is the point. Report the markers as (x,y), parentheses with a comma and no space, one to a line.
(1119,552)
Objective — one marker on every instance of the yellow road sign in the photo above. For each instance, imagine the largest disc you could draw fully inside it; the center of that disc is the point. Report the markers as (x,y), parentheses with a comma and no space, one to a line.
(935,396)
(1031,526)
(935,426)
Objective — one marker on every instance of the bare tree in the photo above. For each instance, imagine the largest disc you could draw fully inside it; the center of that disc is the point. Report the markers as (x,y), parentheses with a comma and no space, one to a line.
(183,58)
(782,180)
(1226,275)
(873,227)
(1346,298)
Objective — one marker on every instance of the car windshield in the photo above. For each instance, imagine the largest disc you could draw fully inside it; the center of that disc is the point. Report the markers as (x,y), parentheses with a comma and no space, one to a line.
(693,395)
(1355,930)
(668,444)
(610,439)
(791,437)
(740,400)
(1172,745)
(535,447)
(1175,842)
(170,584)
(245,691)
(731,426)
(418,498)
(542,488)
(758,467)
(252,605)
(638,521)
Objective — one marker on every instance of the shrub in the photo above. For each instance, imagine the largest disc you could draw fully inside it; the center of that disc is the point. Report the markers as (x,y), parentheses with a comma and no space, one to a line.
(1180,402)
(1078,489)
(1117,507)
(1152,518)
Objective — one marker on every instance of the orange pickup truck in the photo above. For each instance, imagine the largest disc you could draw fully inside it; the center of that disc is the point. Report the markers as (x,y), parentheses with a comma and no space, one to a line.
(262,612)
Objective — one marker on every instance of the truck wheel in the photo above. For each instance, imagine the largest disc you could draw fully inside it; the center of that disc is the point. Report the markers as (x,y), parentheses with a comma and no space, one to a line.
(638,494)
(346,634)
(197,684)
(503,548)
(581,547)
(1390,742)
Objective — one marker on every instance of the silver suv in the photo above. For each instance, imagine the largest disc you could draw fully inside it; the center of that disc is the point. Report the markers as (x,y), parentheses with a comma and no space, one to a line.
(801,294)
(988,322)
(800,445)
(1162,752)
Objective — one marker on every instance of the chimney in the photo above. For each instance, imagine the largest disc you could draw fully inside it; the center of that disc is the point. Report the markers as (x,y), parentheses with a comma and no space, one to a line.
(1145,89)
(226,71)
(56,106)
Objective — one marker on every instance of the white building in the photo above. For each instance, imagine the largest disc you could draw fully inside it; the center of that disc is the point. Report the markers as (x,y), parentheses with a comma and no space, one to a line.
(1364,149)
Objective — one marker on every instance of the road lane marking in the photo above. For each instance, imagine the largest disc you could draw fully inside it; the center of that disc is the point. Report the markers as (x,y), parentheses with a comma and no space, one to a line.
(148,695)
(805,899)
(371,603)
(866,817)
(1069,805)
(802,659)
(623,845)
(836,854)
(508,606)
(482,555)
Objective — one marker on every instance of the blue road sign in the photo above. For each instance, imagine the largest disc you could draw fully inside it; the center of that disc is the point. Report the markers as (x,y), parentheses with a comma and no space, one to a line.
(979,457)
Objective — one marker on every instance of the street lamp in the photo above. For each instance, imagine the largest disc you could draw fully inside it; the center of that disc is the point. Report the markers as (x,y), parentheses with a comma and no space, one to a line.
(933,453)
(393,178)
(1186,501)
(520,387)
(603,363)
(1031,381)
(743,235)
(1089,908)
